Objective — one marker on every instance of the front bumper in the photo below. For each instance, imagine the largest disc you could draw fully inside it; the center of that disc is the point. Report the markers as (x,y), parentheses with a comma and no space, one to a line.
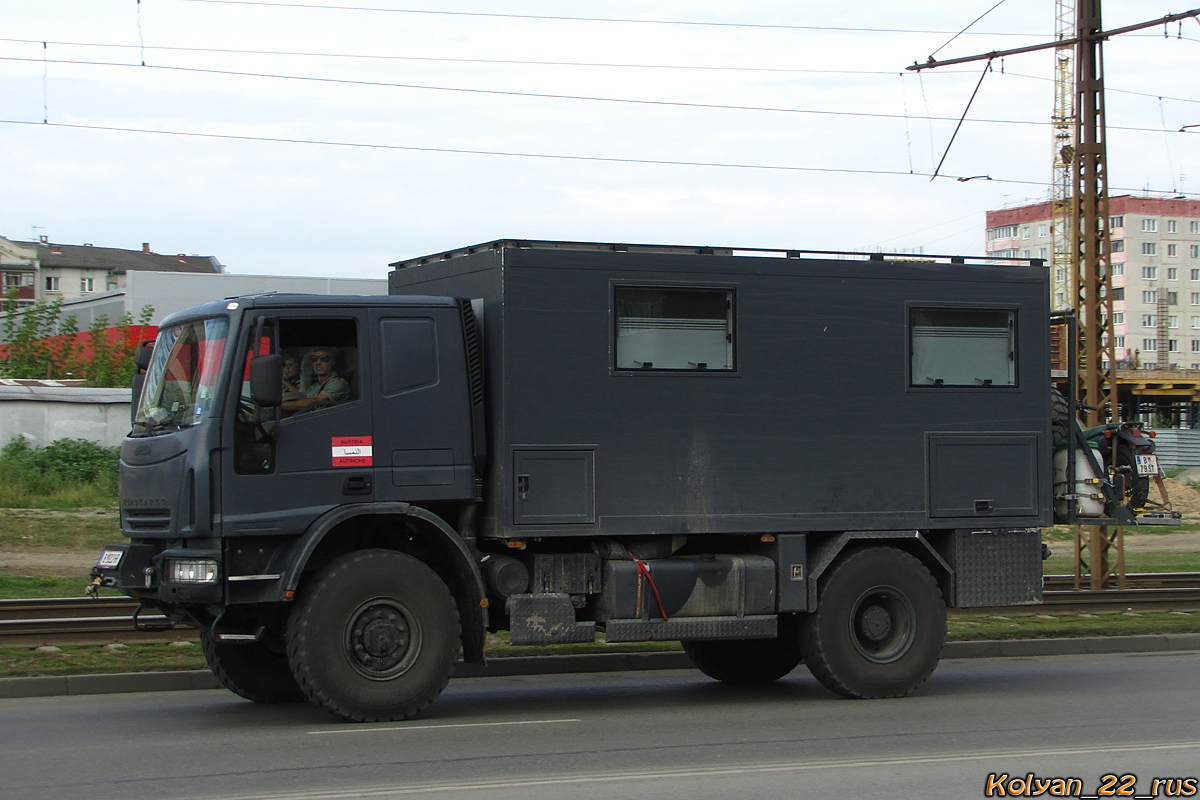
(178,576)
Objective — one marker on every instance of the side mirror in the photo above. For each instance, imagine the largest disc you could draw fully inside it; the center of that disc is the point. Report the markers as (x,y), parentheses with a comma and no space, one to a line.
(141,356)
(139,381)
(266,380)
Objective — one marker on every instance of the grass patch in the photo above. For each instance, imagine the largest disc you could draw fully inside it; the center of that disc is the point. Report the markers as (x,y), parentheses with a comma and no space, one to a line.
(1134,562)
(17,662)
(1023,625)
(65,474)
(25,587)
(25,662)
(84,531)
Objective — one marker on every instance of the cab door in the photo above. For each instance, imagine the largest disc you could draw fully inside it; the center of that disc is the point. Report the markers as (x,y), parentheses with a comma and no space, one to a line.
(286,466)
(422,437)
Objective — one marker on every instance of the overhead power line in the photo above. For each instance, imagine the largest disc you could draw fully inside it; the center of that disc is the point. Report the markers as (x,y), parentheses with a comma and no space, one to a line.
(436,59)
(554,18)
(544,95)
(519,62)
(514,154)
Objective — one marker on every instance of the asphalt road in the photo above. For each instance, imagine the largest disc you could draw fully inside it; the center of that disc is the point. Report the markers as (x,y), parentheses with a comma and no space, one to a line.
(625,735)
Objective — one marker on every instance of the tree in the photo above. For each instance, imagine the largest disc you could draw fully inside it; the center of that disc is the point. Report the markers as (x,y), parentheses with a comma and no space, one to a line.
(38,344)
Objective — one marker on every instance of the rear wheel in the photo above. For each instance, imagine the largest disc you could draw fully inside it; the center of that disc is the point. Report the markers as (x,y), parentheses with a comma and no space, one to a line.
(879,626)
(257,671)
(375,638)
(748,661)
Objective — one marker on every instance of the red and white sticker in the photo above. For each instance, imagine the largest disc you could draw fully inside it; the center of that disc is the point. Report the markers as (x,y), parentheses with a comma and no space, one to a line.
(352,451)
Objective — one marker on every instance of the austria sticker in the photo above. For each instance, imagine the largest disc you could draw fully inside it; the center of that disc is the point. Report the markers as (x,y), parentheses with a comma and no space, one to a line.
(352,451)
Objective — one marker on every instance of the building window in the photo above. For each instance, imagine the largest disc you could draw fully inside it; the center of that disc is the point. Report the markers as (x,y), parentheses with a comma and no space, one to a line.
(1118,245)
(1149,225)
(1118,269)
(1043,253)
(1173,345)
(1005,232)
(962,347)
(1195,346)
(87,284)
(1171,226)
(1060,299)
(1119,293)
(1042,229)
(1150,296)
(1172,298)
(1196,298)
(1025,232)
(1194,251)
(674,329)
(1172,250)
(1118,341)
(52,283)
(1172,321)
(1117,222)
(1060,274)
(1013,253)
(1196,323)
(1148,321)
(1150,344)
(1172,274)
(1195,226)
(1149,248)
(1118,318)
(1029,254)
(1150,273)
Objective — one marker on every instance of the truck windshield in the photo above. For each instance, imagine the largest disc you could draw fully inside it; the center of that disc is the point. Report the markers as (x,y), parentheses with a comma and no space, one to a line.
(181,380)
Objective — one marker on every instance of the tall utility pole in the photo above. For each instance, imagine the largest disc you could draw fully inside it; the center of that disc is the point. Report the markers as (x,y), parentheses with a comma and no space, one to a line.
(1091,278)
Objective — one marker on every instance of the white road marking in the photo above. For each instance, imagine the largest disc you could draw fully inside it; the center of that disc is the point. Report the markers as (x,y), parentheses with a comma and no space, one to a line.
(401,728)
(992,756)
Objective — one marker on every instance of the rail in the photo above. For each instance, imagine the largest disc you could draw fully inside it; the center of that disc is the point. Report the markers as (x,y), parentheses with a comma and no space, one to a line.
(82,621)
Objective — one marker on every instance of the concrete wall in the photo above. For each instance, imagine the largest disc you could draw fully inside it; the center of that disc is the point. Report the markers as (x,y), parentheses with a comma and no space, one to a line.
(43,414)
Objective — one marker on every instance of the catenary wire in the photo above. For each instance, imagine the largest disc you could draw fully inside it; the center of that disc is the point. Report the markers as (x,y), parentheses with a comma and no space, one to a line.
(513,154)
(549,96)
(553,18)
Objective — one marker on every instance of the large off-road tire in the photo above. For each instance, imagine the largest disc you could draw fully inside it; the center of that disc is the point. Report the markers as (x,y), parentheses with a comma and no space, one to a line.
(375,637)
(1060,422)
(257,671)
(1137,487)
(879,626)
(748,661)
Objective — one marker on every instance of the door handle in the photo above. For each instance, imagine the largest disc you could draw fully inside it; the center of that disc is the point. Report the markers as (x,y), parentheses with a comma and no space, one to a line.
(357,485)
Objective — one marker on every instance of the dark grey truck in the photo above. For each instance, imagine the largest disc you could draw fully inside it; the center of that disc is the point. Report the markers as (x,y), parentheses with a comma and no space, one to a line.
(775,457)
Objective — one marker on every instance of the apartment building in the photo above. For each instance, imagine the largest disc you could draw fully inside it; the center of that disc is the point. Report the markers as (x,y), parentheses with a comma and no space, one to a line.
(43,270)
(1155,270)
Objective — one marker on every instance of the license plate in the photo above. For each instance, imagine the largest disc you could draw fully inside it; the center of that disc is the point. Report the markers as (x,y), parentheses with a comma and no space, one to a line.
(110,558)
(1147,465)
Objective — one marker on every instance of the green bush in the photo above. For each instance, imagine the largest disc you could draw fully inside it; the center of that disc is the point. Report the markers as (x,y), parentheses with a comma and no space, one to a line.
(67,473)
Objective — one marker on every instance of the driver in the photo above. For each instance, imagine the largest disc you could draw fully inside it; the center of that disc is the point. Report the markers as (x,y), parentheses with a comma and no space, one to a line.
(323,387)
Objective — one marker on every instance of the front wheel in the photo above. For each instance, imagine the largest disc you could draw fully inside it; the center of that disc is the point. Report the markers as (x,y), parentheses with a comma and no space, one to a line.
(257,671)
(375,638)
(879,626)
(747,661)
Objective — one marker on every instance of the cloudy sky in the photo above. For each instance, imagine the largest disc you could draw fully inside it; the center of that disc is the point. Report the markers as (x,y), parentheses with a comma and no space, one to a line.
(329,137)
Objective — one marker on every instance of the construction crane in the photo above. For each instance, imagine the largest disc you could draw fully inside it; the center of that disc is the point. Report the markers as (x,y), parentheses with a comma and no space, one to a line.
(1063,287)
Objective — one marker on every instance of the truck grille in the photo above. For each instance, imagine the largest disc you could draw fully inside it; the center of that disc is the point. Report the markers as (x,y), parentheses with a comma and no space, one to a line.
(137,521)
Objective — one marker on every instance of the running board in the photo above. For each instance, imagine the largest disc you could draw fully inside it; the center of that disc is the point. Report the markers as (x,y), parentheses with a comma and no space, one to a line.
(669,630)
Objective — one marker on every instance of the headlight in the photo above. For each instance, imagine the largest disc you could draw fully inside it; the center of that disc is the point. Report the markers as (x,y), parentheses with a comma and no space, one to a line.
(192,570)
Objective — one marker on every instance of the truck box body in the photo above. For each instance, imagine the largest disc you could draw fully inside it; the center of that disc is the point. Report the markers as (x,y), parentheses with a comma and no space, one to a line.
(816,422)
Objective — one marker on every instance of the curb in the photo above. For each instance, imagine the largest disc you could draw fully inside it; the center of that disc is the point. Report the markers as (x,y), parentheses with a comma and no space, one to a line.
(123,682)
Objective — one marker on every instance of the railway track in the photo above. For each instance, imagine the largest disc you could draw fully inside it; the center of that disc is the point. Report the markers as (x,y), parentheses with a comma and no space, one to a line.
(72,621)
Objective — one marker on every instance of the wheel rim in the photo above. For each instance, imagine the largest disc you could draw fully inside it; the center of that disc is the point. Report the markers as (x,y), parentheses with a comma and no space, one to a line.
(382,638)
(882,624)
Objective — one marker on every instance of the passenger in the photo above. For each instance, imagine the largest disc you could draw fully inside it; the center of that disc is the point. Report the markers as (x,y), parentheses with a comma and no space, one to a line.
(291,378)
(323,388)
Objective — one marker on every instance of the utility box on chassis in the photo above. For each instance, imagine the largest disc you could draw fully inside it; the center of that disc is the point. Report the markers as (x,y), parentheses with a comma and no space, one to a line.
(769,455)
